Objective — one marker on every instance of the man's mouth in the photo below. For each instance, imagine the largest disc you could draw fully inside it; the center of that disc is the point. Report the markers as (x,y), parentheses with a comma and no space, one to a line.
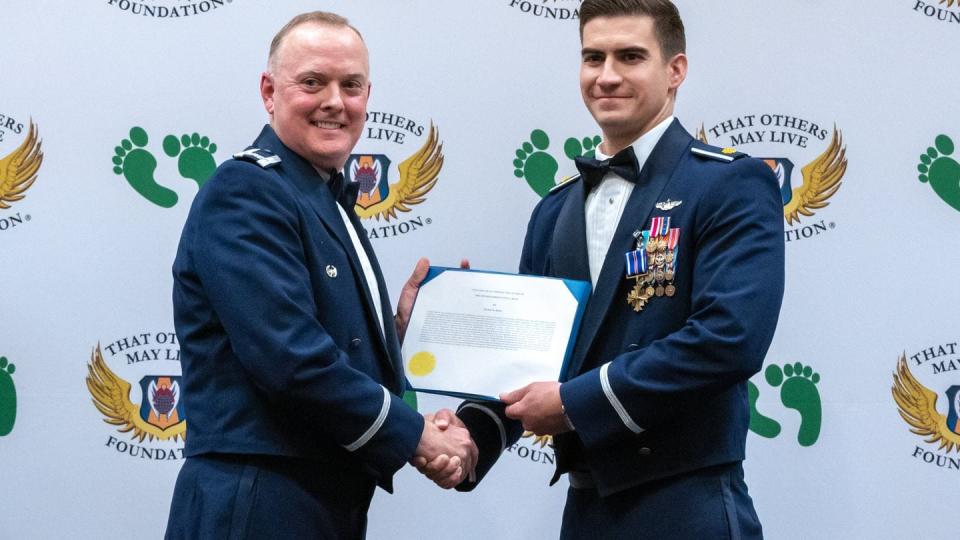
(322,124)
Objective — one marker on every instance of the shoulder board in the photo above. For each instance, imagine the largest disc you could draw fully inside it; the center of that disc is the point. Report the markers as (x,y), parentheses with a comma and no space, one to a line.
(261,157)
(712,152)
(568,181)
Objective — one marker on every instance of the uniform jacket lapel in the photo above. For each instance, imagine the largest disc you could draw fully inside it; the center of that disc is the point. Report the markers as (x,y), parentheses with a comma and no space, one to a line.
(656,173)
(391,342)
(315,191)
(568,250)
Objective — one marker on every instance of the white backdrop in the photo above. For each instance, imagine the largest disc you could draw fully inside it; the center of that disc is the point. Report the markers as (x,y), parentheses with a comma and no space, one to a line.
(86,257)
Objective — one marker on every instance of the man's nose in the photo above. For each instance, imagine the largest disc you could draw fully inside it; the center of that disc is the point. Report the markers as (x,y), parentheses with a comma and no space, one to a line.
(609,74)
(332,98)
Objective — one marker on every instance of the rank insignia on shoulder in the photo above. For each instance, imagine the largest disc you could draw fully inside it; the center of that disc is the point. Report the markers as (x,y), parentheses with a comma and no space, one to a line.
(564,183)
(712,152)
(261,157)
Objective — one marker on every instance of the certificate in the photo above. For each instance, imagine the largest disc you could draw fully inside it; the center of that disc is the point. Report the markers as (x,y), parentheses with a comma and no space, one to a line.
(478,334)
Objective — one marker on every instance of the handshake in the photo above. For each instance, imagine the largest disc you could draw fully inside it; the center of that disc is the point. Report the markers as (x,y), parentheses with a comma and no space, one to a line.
(446,453)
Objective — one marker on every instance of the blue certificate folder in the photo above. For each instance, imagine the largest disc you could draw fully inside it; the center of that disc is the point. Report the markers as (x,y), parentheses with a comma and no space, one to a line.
(579,290)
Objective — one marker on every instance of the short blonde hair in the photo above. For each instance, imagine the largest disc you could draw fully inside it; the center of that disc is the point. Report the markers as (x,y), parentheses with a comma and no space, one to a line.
(316,17)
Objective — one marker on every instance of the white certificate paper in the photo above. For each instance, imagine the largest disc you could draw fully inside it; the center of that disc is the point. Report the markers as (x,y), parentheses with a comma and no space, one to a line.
(479,334)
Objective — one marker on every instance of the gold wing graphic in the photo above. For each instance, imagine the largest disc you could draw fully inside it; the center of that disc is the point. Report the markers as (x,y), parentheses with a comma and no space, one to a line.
(542,440)
(111,396)
(702,135)
(949,3)
(917,405)
(18,170)
(821,179)
(418,175)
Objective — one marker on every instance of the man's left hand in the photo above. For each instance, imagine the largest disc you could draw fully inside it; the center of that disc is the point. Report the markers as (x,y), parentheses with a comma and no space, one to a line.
(538,407)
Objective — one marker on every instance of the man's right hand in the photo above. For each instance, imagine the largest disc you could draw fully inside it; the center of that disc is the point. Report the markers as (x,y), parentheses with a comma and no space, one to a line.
(446,453)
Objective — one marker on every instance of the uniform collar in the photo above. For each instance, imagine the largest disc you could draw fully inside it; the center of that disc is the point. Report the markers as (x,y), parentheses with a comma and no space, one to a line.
(643,146)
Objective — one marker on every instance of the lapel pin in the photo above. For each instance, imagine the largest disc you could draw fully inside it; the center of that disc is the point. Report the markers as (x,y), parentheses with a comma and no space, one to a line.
(331,270)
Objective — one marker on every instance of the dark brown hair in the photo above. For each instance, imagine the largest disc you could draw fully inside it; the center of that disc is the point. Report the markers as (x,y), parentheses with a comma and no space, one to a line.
(666,19)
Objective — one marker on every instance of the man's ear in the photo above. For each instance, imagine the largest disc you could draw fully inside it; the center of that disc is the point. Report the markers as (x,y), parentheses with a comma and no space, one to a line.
(266,91)
(677,69)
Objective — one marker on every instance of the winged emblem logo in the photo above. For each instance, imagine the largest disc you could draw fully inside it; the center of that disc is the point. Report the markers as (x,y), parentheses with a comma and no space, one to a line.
(821,178)
(418,174)
(160,416)
(18,169)
(538,440)
(917,405)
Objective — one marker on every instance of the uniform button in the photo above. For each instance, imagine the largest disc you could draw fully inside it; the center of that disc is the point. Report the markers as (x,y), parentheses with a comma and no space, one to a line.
(644,451)
(355,343)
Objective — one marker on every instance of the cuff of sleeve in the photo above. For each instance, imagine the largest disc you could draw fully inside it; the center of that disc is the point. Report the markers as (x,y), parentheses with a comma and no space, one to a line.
(492,431)
(592,405)
(394,442)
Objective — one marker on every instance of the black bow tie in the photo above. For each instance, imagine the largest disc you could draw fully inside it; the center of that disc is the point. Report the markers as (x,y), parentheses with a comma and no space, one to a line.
(624,165)
(343,191)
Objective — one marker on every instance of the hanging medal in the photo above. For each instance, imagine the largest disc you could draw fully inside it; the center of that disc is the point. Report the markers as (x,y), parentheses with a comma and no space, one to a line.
(637,259)
(637,269)
(673,250)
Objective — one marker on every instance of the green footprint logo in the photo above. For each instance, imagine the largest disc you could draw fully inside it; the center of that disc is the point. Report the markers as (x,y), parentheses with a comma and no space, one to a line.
(138,165)
(539,168)
(195,156)
(798,391)
(942,171)
(760,424)
(132,160)
(8,397)
(535,165)
(587,147)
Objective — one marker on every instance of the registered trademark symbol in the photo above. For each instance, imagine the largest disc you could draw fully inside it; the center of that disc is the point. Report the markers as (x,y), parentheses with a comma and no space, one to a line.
(833,225)
(27,217)
(429,221)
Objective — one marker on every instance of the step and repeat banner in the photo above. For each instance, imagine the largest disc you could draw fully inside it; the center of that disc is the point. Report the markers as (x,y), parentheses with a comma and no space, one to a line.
(114,112)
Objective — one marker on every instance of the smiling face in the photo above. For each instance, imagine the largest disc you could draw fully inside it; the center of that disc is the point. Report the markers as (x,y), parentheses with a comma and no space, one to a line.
(626,83)
(316,92)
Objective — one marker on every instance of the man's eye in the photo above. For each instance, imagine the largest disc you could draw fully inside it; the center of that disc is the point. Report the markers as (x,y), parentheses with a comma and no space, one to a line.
(311,83)
(354,87)
(592,59)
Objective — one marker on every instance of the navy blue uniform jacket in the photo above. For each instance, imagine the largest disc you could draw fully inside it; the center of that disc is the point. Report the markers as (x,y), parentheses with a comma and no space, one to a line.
(281,349)
(663,391)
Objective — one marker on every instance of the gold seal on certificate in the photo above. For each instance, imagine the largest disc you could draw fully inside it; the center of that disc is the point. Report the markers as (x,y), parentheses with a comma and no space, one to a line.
(479,334)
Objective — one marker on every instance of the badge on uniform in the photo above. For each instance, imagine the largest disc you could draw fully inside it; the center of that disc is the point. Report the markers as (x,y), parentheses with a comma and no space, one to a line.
(652,264)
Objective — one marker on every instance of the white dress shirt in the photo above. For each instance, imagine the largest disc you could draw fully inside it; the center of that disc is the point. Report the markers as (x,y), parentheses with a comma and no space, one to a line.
(604,205)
